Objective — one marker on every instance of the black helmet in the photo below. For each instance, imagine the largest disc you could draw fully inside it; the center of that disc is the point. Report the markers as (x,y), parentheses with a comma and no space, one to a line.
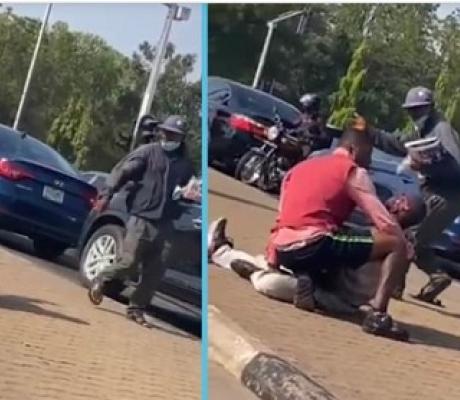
(175,124)
(310,102)
(148,123)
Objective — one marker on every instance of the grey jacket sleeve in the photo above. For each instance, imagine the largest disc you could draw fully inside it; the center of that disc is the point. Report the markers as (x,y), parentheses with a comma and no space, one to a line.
(131,169)
(446,171)
(390,142)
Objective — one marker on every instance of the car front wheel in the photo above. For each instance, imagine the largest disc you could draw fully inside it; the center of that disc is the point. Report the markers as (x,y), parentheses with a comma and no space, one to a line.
(102,249)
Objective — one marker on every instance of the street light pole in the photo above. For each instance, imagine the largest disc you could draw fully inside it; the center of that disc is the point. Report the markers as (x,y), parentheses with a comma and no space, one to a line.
(263,55)
(155,71)
(271,27)
(32,66)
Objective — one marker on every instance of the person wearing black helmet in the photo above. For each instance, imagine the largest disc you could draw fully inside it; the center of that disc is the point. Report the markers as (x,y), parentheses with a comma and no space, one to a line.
(148,129)
(439,180)
(150,173)
(311,125)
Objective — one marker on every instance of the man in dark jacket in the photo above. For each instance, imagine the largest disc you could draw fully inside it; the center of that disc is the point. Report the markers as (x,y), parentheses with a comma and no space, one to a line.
(440,182)
(150,173)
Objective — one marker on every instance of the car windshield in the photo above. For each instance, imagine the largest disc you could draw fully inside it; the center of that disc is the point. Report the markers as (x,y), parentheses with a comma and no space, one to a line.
(259,104)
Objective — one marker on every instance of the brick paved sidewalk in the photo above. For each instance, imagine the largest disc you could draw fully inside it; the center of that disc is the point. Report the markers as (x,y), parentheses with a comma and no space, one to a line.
(351,364)
(55,345)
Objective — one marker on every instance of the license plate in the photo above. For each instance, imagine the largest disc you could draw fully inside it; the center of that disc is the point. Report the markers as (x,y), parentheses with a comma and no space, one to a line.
(54,195)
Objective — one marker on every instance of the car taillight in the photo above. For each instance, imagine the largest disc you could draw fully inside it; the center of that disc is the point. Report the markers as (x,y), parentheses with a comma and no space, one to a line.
(246,124)
(11,171)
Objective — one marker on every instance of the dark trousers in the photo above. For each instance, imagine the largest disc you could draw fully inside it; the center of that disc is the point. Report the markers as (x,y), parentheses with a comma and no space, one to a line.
(442,208)
(145,253)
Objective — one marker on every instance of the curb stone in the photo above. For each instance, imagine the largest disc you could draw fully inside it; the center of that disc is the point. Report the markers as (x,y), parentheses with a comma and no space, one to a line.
(258,368)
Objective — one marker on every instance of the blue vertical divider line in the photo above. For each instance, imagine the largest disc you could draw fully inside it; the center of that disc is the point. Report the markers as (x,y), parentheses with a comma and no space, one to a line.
(204,236)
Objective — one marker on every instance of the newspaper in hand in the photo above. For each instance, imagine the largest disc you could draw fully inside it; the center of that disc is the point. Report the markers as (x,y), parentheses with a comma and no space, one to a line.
(427,151)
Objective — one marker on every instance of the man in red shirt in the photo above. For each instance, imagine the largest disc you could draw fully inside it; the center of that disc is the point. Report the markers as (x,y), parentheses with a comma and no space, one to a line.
(317,197)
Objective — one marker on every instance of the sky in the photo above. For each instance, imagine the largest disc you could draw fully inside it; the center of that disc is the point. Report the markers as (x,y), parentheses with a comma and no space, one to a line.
(124,26)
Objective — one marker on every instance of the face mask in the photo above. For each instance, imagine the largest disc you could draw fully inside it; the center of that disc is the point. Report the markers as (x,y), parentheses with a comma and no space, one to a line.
(169,145)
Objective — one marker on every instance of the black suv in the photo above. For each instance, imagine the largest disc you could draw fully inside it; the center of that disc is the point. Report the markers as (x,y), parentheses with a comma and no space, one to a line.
(102,238)
(228,99)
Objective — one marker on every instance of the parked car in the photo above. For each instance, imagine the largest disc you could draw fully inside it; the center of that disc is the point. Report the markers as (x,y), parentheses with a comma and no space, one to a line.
(95,178)
(388,183)
(102,239)
(235,113)
(41,195)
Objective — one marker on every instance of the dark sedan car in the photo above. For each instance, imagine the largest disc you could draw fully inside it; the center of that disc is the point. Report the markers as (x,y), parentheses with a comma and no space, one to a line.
(102,239)
(41,195)
(235,112)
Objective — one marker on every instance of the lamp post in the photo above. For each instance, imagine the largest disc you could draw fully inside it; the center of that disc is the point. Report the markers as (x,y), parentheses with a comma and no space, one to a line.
(32,66)
(271,27)
(175,13)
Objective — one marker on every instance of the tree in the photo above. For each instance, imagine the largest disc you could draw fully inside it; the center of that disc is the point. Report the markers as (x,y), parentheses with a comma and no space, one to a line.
(345,100)
(70,132)
(85,95)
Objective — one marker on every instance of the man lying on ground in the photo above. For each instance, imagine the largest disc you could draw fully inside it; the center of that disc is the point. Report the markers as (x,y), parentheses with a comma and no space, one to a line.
(352,288)
(317,196)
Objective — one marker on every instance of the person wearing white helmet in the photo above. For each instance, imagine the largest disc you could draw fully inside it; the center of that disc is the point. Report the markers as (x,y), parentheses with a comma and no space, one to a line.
(440,181)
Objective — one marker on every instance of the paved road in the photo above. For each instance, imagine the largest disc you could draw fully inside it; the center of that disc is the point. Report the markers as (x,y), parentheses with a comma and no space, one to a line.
(67,268)
(223,386)
(336,353)
(55,345)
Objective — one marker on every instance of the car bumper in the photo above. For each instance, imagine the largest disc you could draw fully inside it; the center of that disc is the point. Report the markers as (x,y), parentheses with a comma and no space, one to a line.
(11,220)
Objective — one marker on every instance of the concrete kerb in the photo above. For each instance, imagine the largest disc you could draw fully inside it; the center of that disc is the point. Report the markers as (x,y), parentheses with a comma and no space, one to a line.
(258,368)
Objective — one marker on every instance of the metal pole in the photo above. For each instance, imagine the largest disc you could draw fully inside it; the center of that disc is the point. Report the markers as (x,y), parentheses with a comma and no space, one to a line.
(271,27)
(155,71)
(263,55)
(32,66)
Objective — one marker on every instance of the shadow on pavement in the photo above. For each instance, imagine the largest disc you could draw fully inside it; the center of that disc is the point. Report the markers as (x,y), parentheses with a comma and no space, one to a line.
(438,310)
(23,245)
(432,337)
(419,335)
(158,324)
(29,305)
(241,200)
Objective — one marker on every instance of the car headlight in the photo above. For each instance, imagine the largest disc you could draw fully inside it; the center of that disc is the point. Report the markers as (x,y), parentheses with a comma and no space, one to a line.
(272,133)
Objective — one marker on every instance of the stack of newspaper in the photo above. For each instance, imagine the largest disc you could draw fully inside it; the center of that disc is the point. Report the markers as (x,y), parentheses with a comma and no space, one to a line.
(426,151)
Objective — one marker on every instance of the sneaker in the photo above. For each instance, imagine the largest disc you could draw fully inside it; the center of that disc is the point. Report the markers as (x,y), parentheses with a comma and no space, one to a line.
(381,324)
(304,297)
(216,235)
(243,268)
(137,315)
(96,291)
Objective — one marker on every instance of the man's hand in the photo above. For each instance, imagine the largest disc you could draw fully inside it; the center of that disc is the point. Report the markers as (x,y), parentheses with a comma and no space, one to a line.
(101,204)
(192,194)
(192,191)
(416,163)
